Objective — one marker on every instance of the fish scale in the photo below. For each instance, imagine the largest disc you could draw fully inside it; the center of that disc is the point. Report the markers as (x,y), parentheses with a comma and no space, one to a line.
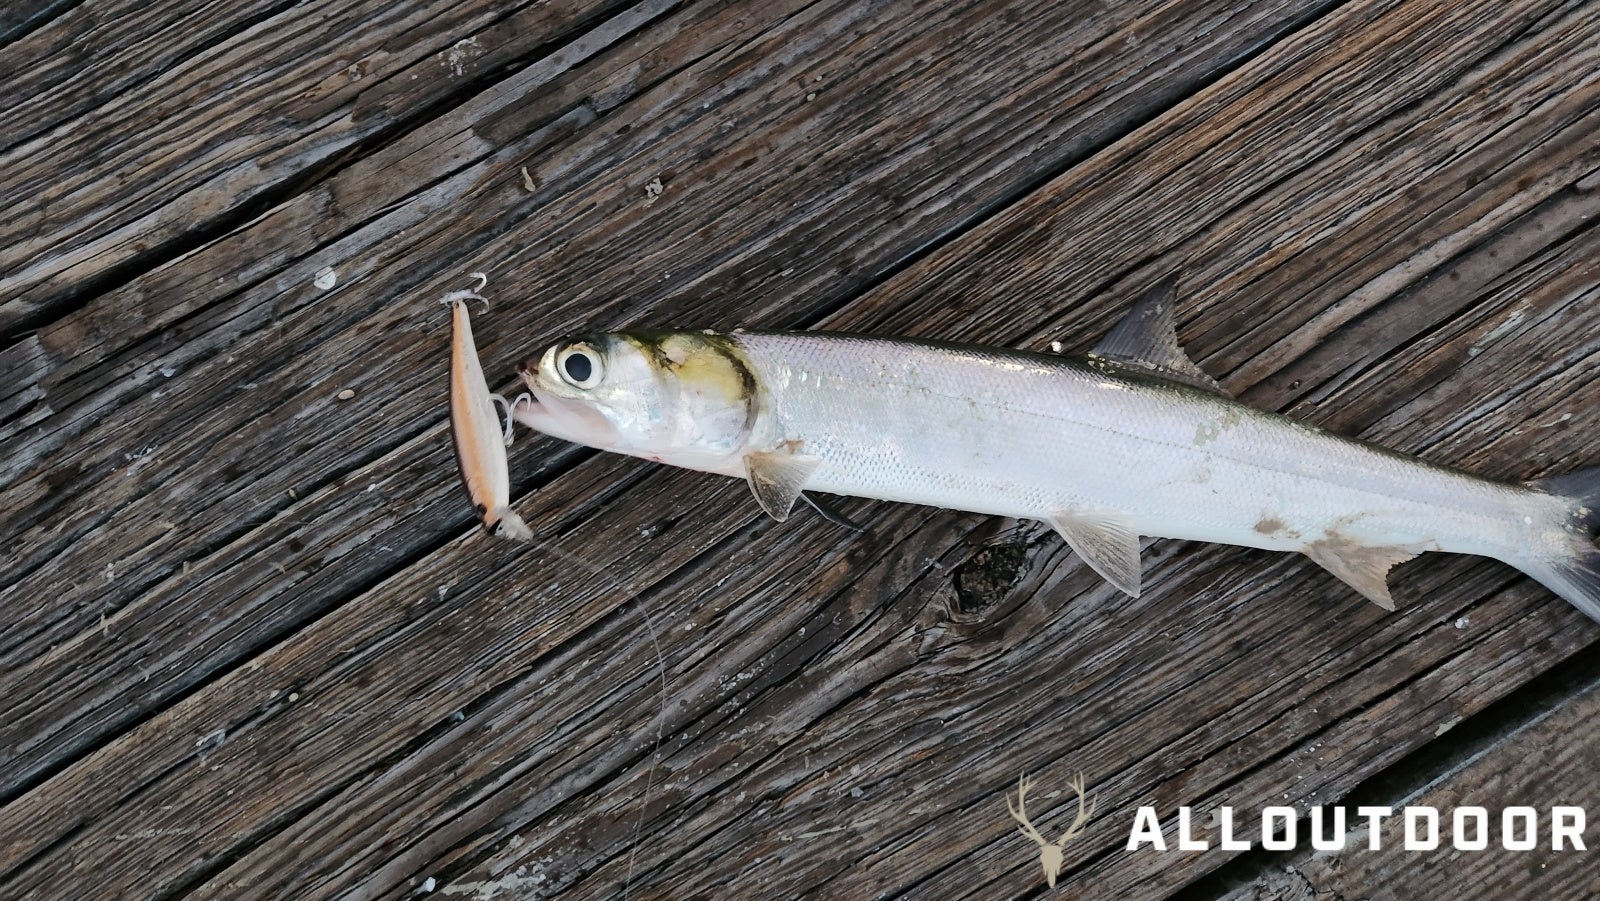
(1024,435)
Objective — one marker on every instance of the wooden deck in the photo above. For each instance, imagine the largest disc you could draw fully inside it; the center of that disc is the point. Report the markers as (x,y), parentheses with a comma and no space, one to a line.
(252,644)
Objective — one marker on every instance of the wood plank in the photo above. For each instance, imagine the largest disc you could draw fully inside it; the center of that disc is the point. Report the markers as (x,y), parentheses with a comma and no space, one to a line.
(347,694)
(1542,764)
(248,369)
(24,16)
(247,103)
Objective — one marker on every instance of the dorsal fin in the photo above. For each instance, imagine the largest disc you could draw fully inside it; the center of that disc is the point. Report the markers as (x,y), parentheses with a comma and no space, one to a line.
(1147,339)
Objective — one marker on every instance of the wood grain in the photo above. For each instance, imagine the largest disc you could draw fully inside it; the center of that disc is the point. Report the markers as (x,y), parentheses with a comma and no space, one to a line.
(1542,764)
(251,101)
(252,646)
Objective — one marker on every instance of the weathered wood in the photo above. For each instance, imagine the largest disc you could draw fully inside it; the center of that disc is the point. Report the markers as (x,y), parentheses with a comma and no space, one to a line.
(1544,764)
(248,102)
(23,16)
(250,645)
(248,404)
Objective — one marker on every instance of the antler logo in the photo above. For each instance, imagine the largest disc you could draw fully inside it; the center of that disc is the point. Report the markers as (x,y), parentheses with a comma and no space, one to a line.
(1050,855)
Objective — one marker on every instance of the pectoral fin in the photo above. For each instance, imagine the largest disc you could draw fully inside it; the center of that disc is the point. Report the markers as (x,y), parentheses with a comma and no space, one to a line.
(1147,338)
(1366,569)
(1106,541)
(776,479)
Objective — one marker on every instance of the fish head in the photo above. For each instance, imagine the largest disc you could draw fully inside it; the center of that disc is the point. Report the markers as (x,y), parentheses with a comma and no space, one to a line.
(673,396)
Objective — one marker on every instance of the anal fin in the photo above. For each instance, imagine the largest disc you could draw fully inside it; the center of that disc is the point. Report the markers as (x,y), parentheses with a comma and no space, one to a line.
(1106,541)
(1366,569)
(776,479)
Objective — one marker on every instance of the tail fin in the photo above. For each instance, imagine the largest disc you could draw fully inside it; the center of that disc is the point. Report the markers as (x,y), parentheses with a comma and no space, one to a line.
(1576,576)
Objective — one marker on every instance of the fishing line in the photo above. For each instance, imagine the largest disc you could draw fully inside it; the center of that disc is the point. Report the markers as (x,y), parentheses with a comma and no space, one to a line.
(661,716)
(487,482)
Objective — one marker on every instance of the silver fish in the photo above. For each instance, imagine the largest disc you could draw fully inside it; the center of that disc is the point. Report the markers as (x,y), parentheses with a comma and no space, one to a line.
(1131,440)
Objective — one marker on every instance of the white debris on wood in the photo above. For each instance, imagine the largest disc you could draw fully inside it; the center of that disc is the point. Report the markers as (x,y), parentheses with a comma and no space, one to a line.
(326,278)
(653,190)
(1500,331)
(461,53)
(347,394)
(514,884)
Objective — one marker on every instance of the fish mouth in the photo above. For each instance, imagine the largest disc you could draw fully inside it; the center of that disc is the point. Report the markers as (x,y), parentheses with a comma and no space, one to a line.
(560,417)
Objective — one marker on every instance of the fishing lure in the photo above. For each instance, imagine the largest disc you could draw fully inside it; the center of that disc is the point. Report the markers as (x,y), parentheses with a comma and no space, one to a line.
(476,427)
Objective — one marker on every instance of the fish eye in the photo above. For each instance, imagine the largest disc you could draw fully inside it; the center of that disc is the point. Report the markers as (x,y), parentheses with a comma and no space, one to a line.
(579,366)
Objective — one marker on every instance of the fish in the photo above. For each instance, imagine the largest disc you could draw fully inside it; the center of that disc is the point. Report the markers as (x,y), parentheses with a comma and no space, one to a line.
(475,427)
(1130,440)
